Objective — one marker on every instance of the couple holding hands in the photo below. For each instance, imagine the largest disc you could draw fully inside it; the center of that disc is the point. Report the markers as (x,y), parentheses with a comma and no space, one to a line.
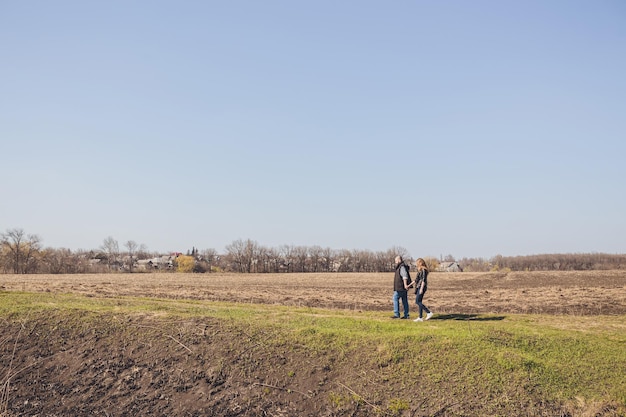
(401,286)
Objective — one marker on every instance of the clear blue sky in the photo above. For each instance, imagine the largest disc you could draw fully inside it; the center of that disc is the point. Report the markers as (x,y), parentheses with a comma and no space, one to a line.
(471,128)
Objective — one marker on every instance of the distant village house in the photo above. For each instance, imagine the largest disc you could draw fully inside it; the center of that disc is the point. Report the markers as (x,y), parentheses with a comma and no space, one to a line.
(449,267)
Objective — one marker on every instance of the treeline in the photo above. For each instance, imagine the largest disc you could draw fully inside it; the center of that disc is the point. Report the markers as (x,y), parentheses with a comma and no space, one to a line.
(21,253)
(548,262)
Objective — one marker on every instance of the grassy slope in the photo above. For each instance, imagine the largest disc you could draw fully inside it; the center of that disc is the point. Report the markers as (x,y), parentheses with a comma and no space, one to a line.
(451,365)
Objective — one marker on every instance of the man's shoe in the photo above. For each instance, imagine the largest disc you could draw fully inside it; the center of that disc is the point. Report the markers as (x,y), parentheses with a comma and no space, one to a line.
(428,316)
(419,319)
(395,317)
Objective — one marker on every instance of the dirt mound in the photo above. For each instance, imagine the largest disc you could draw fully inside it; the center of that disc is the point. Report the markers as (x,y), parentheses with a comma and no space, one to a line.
(115,366)
(82,364)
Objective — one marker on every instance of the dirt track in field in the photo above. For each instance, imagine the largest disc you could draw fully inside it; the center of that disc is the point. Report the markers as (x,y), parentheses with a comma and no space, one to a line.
(571,292)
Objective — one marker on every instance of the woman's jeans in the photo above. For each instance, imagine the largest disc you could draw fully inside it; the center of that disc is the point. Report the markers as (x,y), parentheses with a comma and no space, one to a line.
(397,296)
(418,301)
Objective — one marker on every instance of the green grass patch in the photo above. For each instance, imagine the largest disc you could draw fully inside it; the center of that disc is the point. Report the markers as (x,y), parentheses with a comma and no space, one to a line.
(507,361)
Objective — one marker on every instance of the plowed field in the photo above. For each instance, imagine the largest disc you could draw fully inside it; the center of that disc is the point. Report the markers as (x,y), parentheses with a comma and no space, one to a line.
(73,362)
(572,292)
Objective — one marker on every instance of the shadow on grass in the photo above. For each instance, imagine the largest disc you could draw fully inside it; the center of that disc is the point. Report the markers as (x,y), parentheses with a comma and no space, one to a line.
(473,317)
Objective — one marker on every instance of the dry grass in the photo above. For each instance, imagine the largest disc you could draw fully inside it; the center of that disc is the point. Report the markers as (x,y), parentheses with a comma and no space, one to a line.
(570,293)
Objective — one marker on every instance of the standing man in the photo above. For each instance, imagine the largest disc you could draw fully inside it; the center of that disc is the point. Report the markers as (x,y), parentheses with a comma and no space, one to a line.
(400,288)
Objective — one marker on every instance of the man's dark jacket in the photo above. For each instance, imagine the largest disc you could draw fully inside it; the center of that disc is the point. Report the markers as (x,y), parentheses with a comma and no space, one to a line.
(398,282)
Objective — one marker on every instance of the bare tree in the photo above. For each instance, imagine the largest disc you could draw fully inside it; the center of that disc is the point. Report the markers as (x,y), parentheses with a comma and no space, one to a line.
(287,255)
(315,256)
(244,255)
(393,252)
(271,260)
(327,259)
(343,261)
(20,250)
(359,260)
(209,256)
(262,265)
(300,255)
(142,252)
(111,249)
(132,248)
(59,261)
(449,258)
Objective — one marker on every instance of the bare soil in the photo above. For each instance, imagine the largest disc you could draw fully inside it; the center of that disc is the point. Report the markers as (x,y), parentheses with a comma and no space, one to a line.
(572,292)
(75,363)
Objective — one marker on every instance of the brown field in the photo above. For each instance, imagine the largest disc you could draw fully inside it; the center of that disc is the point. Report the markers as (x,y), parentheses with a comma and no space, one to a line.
(571,292)
(64,363)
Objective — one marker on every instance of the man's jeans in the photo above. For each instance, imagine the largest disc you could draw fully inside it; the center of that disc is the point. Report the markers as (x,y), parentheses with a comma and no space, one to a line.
(397,296)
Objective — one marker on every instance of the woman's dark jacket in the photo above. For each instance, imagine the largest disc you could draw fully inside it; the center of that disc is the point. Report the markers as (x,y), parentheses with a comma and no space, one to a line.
(422,275)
